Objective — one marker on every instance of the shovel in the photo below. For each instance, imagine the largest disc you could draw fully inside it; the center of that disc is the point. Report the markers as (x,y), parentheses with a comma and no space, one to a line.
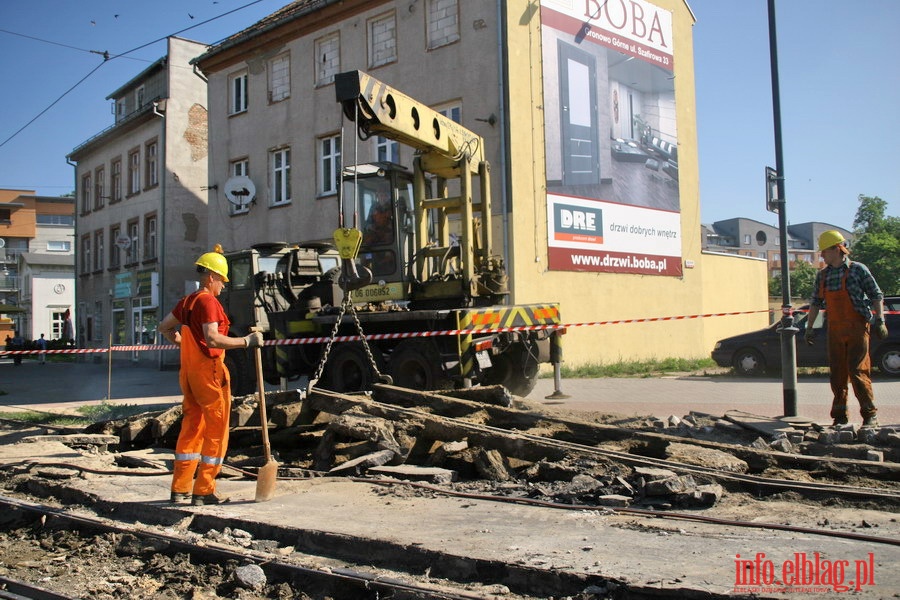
(268,473)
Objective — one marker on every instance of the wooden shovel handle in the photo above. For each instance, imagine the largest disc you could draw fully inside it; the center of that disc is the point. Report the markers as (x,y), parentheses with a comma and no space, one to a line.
(263,419)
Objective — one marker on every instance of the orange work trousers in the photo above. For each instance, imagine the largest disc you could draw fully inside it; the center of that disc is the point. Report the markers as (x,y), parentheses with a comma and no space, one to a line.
(848,356)
(206,408)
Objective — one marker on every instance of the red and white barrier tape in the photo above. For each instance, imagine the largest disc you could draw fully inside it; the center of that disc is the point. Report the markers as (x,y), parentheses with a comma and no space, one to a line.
(397,336)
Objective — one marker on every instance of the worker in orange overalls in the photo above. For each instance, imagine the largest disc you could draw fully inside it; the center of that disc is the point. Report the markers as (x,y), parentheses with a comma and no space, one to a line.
(848,292)
(198,325)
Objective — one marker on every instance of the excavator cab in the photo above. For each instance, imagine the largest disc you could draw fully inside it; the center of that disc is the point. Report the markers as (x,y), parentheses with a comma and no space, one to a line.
(380,194)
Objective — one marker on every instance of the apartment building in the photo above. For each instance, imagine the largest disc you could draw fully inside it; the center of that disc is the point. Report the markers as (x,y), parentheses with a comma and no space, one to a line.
(751,238)
(37,276)
(141,203)
(587,112)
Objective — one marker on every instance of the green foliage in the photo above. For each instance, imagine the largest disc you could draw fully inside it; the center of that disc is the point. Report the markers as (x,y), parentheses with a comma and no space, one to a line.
(105,411)
(802,277)
(636,368)
(877,242)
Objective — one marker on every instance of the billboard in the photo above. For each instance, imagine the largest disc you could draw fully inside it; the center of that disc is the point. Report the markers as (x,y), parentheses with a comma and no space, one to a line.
(612,140)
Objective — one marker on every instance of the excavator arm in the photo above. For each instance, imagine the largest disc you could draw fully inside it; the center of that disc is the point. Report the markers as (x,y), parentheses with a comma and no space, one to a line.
(379,109)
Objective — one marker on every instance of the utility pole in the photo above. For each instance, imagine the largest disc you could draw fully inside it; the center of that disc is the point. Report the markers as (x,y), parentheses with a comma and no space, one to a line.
(787,329)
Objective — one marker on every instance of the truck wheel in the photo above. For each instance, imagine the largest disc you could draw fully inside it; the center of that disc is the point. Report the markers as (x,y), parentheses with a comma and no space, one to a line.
(515,370)
(417,364)
(888,361)
(243,372)
(348,368)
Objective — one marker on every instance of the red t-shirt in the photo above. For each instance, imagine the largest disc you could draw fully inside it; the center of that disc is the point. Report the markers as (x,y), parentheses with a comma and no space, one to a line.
(200,308)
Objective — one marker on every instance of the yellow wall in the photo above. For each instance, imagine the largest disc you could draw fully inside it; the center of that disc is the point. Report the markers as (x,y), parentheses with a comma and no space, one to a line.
(709,284)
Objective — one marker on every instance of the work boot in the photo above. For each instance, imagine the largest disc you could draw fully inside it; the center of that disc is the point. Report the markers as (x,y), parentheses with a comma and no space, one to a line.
(180,498)
(208,499)
(839,421)
(870,421)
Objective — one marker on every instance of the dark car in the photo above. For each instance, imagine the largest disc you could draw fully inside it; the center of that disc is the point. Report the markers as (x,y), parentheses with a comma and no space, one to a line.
(758,351)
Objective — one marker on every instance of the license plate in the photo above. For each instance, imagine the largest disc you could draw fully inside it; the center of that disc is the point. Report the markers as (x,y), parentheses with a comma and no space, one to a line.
(484,359)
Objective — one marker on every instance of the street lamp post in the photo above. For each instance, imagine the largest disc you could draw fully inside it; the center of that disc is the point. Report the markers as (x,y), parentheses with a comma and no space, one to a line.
(787,329)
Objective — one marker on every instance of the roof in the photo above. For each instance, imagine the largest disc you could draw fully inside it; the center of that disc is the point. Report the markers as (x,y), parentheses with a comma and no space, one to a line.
(291,12)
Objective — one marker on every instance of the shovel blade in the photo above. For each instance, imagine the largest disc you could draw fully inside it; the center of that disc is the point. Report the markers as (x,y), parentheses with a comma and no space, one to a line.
(265,481)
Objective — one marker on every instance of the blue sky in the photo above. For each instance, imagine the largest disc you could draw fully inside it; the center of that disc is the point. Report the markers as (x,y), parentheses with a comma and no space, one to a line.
(839,81)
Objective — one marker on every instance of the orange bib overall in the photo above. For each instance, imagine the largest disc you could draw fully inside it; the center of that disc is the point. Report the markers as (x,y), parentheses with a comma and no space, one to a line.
(206,408)
(848,353)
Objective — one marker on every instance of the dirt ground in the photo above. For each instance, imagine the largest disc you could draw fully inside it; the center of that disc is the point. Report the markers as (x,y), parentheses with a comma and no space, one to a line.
(113,566)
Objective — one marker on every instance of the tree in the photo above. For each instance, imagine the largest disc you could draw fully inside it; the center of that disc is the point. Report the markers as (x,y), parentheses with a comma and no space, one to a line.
(877,242)
(802,277)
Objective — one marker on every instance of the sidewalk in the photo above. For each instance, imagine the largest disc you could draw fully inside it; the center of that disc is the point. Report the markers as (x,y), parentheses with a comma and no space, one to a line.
(57,387)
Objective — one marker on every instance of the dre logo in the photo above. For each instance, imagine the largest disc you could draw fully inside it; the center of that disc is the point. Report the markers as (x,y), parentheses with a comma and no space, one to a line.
(577,223)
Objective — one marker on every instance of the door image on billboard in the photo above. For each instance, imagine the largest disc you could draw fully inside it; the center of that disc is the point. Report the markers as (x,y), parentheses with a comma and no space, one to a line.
(578,116)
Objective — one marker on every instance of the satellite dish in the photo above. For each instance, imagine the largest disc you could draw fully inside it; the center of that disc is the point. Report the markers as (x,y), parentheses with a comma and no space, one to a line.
(2,243)
(240,190)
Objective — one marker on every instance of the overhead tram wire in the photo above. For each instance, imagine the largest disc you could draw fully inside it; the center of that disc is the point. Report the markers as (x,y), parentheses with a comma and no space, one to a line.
(106,57)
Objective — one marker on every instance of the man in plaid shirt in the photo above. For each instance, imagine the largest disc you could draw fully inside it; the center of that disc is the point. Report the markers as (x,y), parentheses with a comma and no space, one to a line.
(850,294)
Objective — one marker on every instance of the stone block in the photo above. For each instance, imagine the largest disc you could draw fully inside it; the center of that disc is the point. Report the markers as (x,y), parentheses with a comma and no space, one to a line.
(680,484)
(414,473)
(875,456)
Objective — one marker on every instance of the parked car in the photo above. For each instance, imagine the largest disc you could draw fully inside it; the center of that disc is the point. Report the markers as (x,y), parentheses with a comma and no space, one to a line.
(758,351)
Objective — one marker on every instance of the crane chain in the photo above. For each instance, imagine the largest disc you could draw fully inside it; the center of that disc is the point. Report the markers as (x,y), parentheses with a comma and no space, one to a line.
(346,304)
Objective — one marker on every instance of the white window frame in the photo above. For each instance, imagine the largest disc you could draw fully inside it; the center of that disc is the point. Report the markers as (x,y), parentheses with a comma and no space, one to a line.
(115,253)
(452,111)
(120,108)
(131,255)
(329,164)
(134,172)
(116,180)
(238,93)
(86,191)
(151,155)
(86,254)
(98,250)
(387,149)
(150,227)
(280,77)
(328,58)
(240,168)
(99,188)
(280,171)
(382,32)
(441,16)
(59,246)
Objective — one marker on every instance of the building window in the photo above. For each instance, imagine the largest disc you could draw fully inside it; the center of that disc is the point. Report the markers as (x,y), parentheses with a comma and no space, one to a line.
(452,112)
(59,246)
(134,172)
(98,250)
(152,163)
(131,255)
(237,86)
(240,168)
(139,98)
(746,239)
(382,40)
(116,181)
(85,254)
(328,58)
(150,237)
(86,189)
(279,78)
(120,109)
(115,252)
(63,220)
(442,22)
(281,176)
(387,150)
(329,164)
(99,188)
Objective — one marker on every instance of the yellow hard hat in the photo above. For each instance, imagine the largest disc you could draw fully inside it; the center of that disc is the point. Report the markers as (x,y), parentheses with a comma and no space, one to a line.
(214,261)
(830,238)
